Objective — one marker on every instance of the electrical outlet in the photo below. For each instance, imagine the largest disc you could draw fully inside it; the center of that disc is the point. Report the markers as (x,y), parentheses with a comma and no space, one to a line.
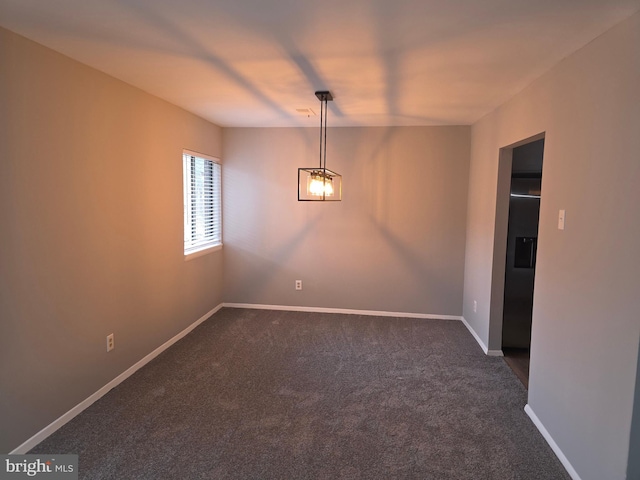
(298,284)
(110,343)
(475,306)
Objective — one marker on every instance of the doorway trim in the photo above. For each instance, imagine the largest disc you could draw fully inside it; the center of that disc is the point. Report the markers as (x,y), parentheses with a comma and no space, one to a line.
(501,227)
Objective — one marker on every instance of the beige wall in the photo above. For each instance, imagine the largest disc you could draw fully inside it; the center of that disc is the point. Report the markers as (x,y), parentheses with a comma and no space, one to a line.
(395,242)
(90,232)
(585,319)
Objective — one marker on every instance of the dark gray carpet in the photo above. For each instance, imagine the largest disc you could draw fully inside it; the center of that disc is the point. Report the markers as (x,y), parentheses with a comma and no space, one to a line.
(263,395)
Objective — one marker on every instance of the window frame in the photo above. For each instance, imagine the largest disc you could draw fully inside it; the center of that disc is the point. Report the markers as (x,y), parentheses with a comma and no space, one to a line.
(215,243)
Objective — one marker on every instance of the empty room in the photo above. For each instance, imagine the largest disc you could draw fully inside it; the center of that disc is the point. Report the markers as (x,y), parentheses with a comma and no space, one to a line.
(342,240)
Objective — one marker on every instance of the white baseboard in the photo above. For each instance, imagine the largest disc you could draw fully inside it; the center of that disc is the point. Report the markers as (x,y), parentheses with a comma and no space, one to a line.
(554,446)
(485,349)
(56,424)
(348,311)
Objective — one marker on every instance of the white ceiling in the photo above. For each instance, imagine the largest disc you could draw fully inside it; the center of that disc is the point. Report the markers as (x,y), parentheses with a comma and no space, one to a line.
(387,62)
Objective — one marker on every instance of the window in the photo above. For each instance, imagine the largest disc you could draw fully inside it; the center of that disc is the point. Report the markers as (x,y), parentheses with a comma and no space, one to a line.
(202,202)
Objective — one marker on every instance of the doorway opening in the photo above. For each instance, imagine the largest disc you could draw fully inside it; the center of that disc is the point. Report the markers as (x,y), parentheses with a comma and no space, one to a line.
(520,258)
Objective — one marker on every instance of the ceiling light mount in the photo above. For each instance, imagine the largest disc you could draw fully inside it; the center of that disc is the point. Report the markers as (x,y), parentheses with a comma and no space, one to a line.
(320,183)
(324,96)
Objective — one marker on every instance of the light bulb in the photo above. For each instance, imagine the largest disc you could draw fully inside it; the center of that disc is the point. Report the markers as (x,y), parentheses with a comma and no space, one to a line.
(320,184)
(316,186)
(328,187)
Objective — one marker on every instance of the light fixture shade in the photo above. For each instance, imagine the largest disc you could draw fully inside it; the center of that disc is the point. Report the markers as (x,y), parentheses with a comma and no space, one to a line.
(319,184)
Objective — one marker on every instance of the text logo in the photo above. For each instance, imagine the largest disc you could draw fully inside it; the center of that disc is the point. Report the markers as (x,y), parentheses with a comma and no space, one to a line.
(50,467)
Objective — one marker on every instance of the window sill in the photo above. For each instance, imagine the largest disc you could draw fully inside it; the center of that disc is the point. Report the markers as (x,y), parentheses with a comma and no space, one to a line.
(202,252)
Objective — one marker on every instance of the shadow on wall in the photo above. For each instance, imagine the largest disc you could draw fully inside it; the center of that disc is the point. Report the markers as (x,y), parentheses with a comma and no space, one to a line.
(405,204)
(377,175)
(264,270)
(411,258)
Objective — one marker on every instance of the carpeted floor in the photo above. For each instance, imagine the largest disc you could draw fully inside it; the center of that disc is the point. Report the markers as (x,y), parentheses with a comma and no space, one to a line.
(254,394)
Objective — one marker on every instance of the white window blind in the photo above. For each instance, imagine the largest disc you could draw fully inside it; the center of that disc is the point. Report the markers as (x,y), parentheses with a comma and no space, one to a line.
(202,203)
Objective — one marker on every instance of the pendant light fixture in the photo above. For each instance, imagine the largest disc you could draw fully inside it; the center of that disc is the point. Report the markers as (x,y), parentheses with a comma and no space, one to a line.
(320,183)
